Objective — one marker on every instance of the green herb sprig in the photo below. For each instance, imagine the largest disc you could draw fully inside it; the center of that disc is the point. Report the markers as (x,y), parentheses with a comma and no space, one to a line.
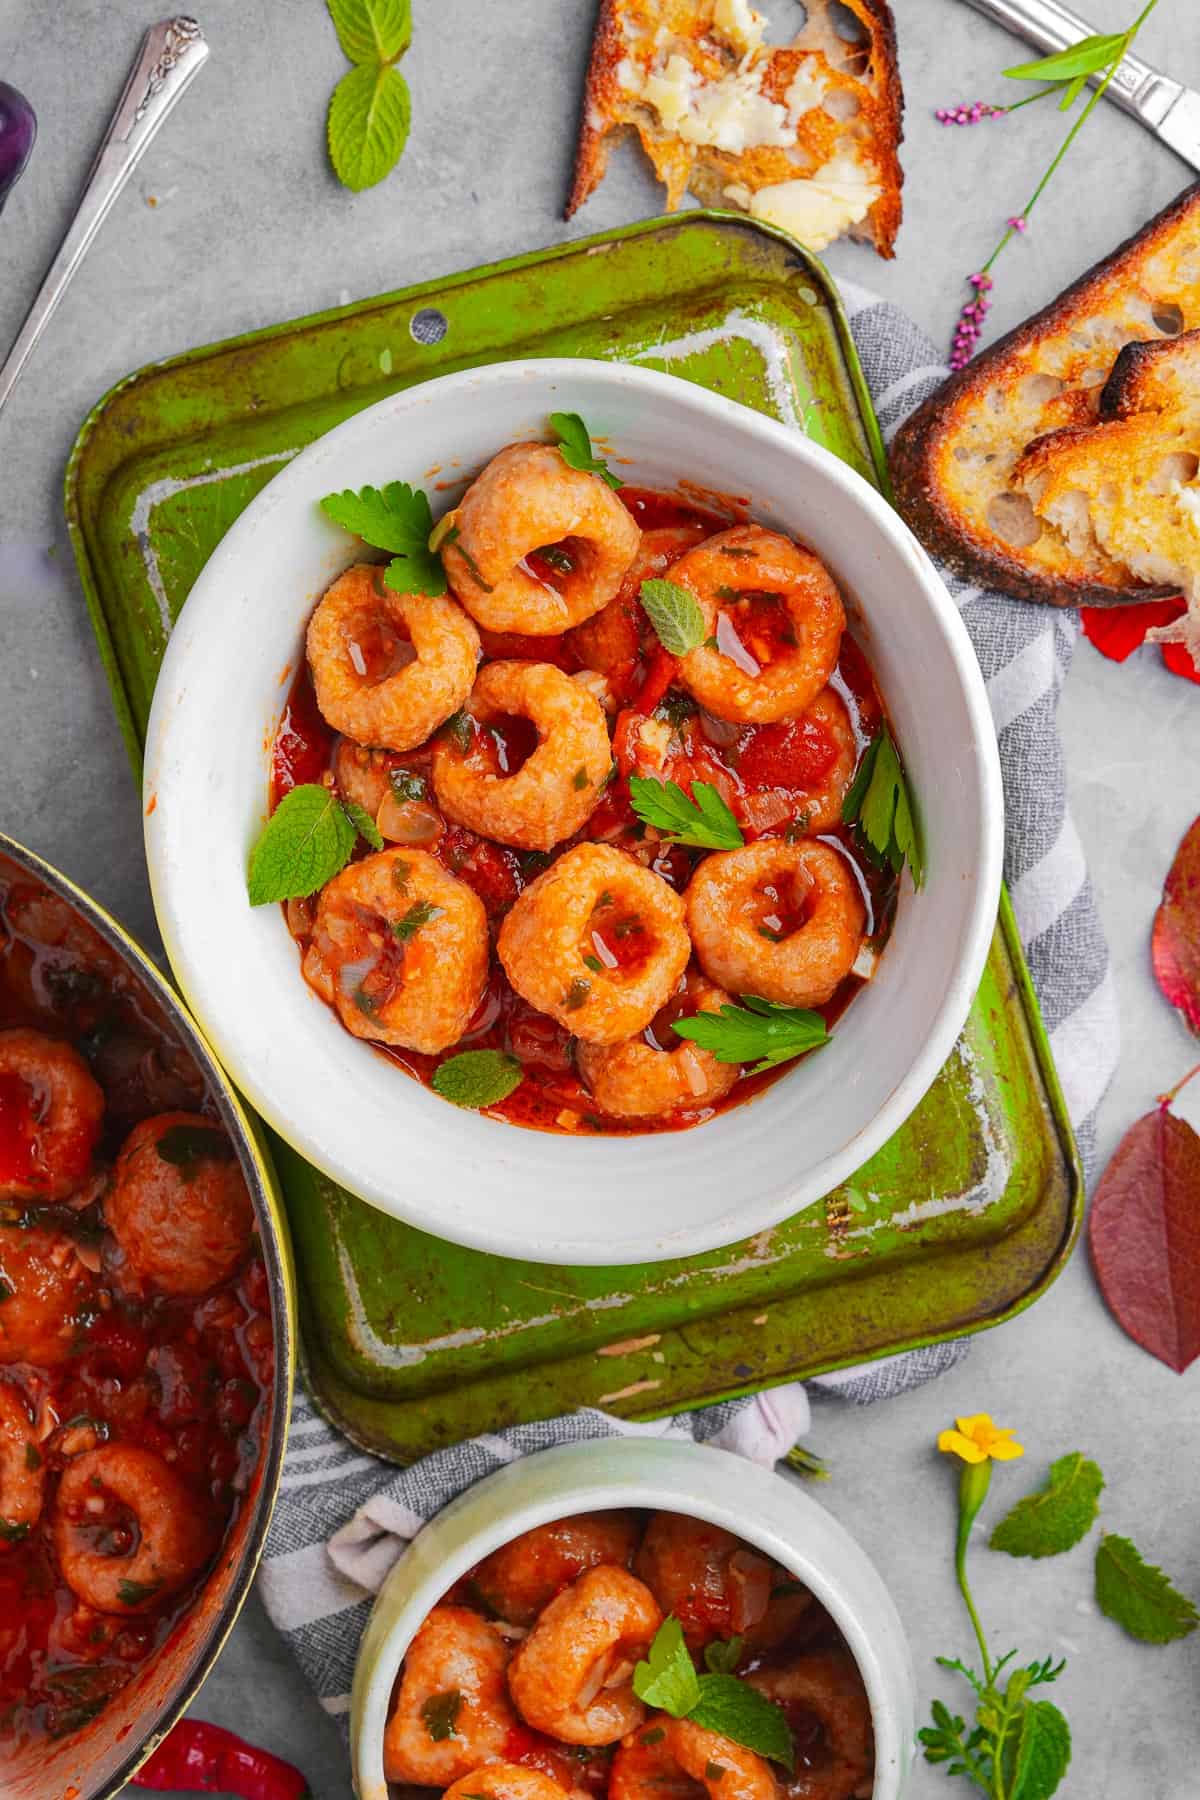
(575,447)
(703,821)
(718,1701)
(879,803)
(1019,1748)
(398,518)
(1063,74)
(675,615)
(759,1032)
(308,839)
(370,111)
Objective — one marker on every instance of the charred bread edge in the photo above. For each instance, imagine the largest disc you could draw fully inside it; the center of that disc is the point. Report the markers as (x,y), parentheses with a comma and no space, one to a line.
(935,521)
(592,147)
(1132,362)
(591,150)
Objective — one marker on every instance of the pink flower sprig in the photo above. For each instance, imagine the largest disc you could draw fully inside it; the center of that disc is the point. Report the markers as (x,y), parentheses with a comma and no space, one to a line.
(970,321)
(969,115)
(1066,74)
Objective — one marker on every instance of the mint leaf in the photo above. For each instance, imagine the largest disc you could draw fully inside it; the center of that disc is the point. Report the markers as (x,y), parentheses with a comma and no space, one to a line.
(667,1679)
(1088,57)
(370,113)
(477,1077)
(304,843)
(1043,1752)
(759,1032)
(675,615)
(879,803)
(575,447)
(397,518)
(1138,1596)
(363,823)
(1057,1516)
(704,820)
(734,1709)
(372,31)
(722,1657)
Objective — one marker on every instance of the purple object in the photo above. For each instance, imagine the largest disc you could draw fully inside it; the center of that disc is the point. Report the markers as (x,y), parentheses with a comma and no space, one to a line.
(18,129)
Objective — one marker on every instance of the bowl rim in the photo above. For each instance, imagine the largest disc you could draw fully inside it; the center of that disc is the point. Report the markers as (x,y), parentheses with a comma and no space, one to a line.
(422,1211)
(663,1475)
(263,1187)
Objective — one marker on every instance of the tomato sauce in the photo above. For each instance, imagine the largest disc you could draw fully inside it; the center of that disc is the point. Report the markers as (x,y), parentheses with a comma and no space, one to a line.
(764,771)
(186,1378)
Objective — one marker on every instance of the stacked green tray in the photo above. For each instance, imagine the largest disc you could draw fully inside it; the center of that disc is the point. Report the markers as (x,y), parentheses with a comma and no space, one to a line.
(409,1342)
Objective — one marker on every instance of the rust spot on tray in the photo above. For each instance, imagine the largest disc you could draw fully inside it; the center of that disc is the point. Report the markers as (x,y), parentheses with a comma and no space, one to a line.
(627,1346)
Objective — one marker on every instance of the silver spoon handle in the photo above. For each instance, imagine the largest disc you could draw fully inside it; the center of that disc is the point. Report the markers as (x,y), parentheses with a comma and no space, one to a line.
(172,52)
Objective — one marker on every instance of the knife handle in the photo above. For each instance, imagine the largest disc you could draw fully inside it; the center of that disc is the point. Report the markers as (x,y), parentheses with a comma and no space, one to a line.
(1138,88)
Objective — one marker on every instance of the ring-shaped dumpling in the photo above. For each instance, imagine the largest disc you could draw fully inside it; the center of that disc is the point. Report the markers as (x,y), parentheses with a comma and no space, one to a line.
(776,618)
(551,795)
(529,500)
(781,921)
(400,950)
(597,942)
(389,668)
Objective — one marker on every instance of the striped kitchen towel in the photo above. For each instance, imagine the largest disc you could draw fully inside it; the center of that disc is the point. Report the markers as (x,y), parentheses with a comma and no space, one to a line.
(343,1517)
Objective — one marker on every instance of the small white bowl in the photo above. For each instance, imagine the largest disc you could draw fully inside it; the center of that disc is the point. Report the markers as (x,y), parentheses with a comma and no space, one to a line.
(768,1511)
(568,1199)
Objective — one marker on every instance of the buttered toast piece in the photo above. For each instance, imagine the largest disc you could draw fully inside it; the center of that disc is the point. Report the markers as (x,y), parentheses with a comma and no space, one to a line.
(1127,485)
(804,135)
(1021,473)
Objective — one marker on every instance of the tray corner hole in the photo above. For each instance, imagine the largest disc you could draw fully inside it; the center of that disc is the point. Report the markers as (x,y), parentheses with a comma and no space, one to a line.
(428,326)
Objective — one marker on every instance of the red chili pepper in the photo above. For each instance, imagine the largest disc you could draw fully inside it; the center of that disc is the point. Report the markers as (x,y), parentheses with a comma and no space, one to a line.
(198,1758)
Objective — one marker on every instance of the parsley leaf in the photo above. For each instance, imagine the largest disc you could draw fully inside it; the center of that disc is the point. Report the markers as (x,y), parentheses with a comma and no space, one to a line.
(305,842)
(722,1657)
(667,1679)
(363,823)
(1138,1596)
(372,31)
(759,1032)
(734,1709)
(1043,1751)
(879,803)
(1058,1515)
(675,615)
(439,1714)
(704,820)
(575,447)
(370,115)
(396,518)
(477,1077)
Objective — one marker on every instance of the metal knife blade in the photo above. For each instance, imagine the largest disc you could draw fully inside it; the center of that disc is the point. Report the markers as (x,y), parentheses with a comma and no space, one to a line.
(1163,106)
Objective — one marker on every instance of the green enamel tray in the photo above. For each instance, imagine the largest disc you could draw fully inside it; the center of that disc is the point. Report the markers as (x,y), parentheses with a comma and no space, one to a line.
(408,1342)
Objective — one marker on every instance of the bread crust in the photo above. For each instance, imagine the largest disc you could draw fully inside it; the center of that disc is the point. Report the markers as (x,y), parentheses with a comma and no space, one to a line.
(709,173)
(930,434)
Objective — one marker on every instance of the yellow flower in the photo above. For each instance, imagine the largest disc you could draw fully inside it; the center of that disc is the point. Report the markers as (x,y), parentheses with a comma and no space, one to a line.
(977,1440)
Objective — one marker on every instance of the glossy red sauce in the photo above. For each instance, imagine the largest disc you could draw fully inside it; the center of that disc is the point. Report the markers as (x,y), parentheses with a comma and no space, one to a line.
(189,1379)
(749,762)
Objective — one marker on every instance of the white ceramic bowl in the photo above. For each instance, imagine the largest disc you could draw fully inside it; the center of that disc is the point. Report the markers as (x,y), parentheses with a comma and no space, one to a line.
(472,1179)
(767,1510)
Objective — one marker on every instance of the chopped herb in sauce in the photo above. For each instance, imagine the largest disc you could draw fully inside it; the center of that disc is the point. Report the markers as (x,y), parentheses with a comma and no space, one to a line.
(439,1714)
(421,912)
(577,994)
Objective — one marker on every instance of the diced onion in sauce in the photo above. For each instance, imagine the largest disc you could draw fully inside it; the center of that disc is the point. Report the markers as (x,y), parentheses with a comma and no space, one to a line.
(408,821)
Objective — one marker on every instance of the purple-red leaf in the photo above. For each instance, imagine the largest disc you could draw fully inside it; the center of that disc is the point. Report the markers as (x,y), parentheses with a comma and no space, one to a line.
(1145,1237)
(1175,944)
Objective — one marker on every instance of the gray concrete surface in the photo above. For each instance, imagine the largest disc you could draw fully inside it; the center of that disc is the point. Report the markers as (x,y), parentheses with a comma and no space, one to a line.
(250,227)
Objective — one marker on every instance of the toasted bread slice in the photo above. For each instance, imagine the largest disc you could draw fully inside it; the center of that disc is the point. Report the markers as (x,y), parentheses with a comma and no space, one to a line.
(993,502)
(804,136)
